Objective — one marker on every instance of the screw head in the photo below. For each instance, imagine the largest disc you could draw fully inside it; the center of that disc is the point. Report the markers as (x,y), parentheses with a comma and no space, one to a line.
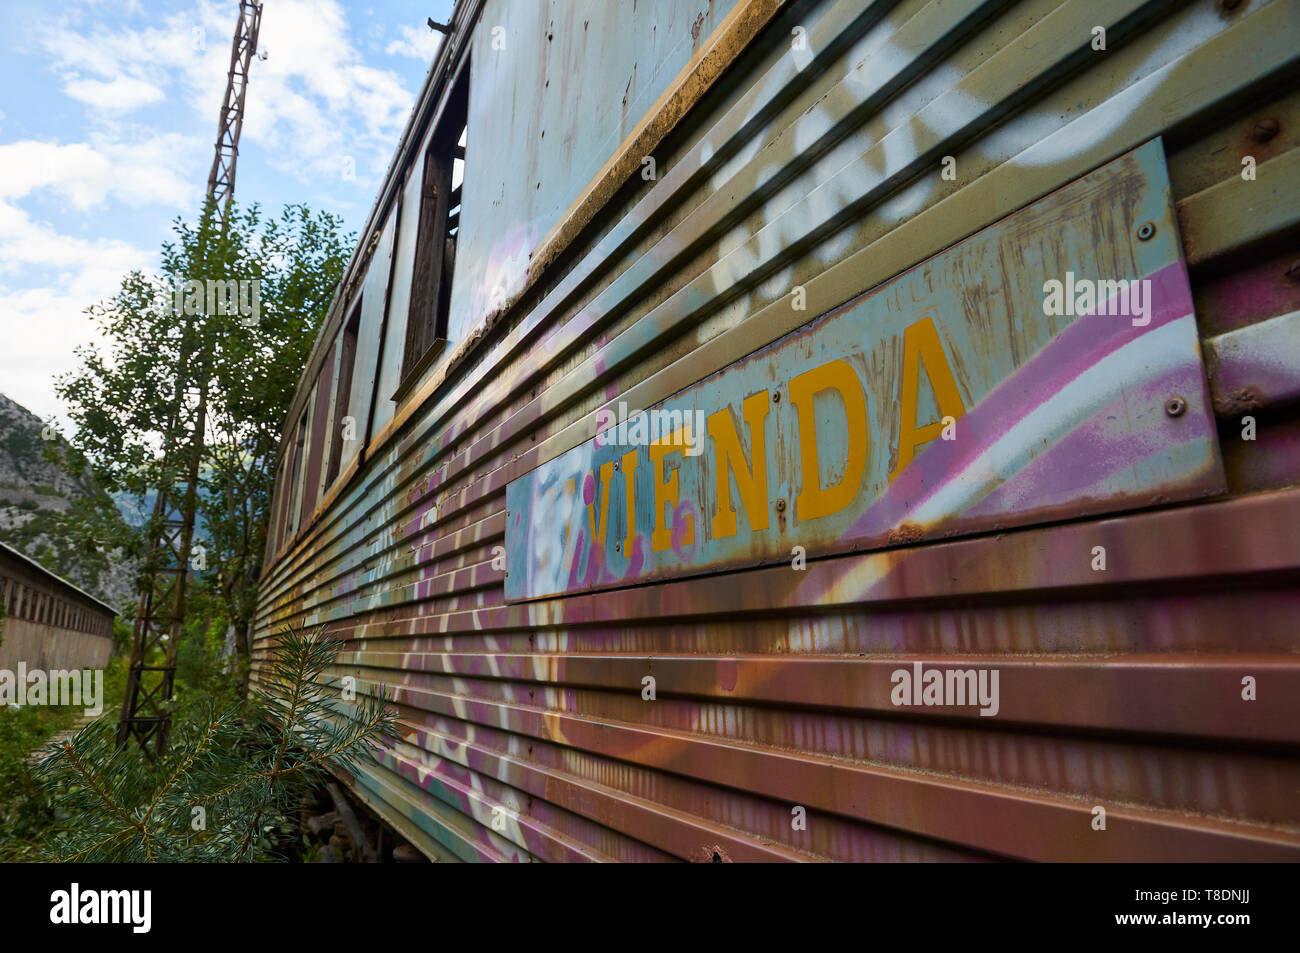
(1146,231)
(1265,130)
(776,397)
(780,506)
(1175,406)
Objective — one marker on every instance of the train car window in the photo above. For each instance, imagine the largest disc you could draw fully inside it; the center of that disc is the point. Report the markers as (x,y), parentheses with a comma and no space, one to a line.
(438,232)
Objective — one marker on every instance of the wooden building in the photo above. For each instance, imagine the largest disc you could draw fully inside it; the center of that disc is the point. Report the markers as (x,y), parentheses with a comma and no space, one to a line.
(49,623)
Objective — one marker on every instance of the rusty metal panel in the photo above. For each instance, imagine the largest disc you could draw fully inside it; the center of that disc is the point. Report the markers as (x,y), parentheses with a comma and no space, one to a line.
(525,730)
(1059,400)
(49,623)
(1255,366)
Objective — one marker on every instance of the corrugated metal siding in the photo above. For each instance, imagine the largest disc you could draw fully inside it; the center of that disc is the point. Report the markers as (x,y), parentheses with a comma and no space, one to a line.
(557,86)
(525,735)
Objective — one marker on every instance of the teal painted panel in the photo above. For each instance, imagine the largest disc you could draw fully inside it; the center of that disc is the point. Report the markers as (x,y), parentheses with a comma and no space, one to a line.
(1022,375)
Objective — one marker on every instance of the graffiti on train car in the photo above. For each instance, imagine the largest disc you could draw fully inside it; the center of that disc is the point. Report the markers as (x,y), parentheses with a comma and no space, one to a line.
(1047,366)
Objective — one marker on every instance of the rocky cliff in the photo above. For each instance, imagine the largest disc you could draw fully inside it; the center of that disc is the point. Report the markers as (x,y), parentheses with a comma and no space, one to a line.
(39,505)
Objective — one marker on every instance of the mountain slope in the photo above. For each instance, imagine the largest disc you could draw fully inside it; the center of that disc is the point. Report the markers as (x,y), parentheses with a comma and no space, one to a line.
(38,503)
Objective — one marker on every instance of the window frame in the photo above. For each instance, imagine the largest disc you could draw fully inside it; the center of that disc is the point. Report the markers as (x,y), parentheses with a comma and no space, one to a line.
(348,342)
(428,311)
(296,475)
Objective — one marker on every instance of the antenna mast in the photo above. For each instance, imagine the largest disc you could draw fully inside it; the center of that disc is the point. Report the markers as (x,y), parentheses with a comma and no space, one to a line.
(160,614)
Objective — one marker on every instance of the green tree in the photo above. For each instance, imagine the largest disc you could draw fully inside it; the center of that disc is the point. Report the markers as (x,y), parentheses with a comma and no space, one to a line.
(228,323)
(231,777)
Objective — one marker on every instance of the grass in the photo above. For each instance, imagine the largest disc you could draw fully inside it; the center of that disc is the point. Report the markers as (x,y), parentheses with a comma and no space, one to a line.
(25,813)
(30,819)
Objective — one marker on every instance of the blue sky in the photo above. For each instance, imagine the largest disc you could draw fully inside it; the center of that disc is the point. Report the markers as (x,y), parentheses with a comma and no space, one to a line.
(107,124)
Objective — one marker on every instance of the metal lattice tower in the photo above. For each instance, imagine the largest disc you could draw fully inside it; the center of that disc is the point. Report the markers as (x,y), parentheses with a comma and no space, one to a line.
(160,613)
(221,180)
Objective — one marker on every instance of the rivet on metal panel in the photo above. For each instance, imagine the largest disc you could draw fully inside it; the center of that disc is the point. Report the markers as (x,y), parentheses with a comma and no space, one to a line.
(711,854)
(776,396)
(1265,130)
(780,506)
(1146,231)
(1175,406)
(615,464)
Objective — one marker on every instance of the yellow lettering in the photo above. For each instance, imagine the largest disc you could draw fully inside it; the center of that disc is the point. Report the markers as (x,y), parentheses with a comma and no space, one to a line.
(629,472)
(751,482)
(921,345)
(815,500)
(598,533)
(666,491)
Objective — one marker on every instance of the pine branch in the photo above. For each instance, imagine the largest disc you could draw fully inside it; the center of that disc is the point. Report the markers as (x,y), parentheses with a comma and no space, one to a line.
(243,771)
(182,767)
(93,781)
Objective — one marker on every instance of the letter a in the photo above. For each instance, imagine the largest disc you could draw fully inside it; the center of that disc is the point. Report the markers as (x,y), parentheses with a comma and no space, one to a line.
(921,345)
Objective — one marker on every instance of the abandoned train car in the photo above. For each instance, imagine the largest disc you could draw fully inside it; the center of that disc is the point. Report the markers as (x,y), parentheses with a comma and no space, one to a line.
(825,429)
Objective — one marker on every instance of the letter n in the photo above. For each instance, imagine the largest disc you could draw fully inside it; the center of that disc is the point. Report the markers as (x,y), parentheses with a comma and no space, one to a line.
(751,481)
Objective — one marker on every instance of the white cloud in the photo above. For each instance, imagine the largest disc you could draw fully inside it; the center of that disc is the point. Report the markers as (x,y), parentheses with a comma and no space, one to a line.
(314,105)
(139,171)
(73,172)
(311,102)
(48,277)
(317,102)
(417,43)
(124,93)
(40,326)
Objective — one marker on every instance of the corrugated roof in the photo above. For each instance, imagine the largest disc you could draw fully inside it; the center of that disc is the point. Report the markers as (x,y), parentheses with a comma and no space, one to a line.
(57,578)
